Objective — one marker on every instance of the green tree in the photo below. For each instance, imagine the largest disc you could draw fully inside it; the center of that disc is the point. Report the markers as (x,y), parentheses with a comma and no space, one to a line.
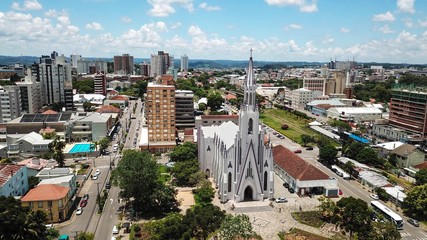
(340,125)
(215,101)
(421,176)
(383,231)
(369,156)
(202,220)
(236,227)
(351,150)
(56,148)
(382,194)
(137,175)
(87,106)
(20,223)
(305,139)
(328,153)
(392,159)
(57,106)
(415,203)
(33,181)
(204,193)
(202,106)
(104,143)
(85,236)
(354,216)
(327,207)
(186,173)
(184,152)
(49,135)
(170,227)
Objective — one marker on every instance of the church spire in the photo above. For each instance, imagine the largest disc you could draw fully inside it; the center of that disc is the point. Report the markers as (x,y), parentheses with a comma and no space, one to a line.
(250,87)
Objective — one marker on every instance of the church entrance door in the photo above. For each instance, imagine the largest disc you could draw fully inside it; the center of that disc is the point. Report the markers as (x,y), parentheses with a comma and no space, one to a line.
(248,194)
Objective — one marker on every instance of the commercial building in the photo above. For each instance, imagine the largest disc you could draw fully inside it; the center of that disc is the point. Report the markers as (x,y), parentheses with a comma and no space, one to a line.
(52,199)
(315,84)
(123,64)
(84,126)
(31,144)
(160,115)
(31,94)
(408,110)
(145,69)
(100,83)
(54,73)
(13,180)
(184,106)
(355,114)
(300,97)
(10,103)
(184,63)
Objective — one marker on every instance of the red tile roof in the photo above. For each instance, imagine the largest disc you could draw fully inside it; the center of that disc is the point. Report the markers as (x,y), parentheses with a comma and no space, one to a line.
(230,96)
(119,97)
(295,166)
(421,166)
(46,192)
(6,171)
(113,92)
(108,109)
(50,112)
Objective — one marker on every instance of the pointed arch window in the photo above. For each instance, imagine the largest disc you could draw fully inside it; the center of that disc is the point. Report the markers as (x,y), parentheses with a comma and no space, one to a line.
(250,125)
(265,181)
(229,182)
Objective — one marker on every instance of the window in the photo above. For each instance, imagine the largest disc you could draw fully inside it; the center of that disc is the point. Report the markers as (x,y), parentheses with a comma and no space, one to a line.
(40,204)
(49,203)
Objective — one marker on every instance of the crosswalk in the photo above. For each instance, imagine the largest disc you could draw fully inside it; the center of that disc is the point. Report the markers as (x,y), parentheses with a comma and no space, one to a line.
(407,236)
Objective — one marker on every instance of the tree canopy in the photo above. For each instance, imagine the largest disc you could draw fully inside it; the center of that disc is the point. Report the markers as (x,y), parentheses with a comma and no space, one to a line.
(415,202)
(215,101)
(421,176)
(137,174)
(328,153)
(186,151)
(354,216)
(236,227)
(56,148)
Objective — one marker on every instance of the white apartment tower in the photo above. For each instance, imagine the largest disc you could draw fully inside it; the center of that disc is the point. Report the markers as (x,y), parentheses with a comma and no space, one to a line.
(74,59)
(31,94)
(10,103)
(184,63)
(160,63)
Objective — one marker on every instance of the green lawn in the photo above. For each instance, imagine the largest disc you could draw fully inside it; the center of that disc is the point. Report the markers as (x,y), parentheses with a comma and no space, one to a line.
(311,218)
(275,118)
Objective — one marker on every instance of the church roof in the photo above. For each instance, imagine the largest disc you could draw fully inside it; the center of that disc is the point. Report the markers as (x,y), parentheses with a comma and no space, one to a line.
(226,132)
(295,166)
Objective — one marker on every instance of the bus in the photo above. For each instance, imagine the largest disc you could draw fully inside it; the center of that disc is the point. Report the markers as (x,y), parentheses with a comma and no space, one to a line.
(391,216)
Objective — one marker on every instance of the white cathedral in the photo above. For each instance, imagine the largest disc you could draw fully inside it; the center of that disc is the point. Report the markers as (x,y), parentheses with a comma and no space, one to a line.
(239,158)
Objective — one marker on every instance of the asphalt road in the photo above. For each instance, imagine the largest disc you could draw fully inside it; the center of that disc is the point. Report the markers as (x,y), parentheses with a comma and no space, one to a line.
(349,187)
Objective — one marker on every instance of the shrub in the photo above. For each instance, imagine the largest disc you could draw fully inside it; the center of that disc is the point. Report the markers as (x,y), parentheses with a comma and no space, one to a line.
(284,127)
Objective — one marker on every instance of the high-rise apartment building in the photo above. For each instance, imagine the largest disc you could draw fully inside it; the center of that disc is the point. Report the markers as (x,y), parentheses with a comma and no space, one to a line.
(184,106)
(145,69)
(160,115)
(408,110)
(74,59)
(184,63)
(10,103)
(87,67)
(54,73)
(100,83)
(160,63)
(123,64)
(315,84)
(31,94)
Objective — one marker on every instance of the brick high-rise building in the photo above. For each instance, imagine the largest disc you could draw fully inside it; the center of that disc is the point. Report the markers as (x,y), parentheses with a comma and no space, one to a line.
(100,83)
(123,64)
(160,115)
(408,110)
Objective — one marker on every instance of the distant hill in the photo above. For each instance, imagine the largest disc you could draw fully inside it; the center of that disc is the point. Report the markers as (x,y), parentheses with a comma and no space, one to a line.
(213,64)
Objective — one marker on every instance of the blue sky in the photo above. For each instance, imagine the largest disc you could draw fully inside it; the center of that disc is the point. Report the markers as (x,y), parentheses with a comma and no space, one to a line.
(277,30)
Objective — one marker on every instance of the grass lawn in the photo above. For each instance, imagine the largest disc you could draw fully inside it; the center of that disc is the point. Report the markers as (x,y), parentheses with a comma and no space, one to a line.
(296,233)
(164,175)
(311,218)
(274,118)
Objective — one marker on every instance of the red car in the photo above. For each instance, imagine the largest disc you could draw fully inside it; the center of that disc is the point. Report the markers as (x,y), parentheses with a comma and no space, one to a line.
(83,203)
(298,151)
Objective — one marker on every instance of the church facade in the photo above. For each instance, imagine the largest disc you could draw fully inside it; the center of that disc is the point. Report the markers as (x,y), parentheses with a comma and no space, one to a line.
(239,158)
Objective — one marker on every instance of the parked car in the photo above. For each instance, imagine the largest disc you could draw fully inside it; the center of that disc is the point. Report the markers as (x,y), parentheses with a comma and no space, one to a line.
(95,177)
(298,151)
(413,222)
(291,190)
(309,148)
(97,172)
(374,196)
(79,211)
(286,185)
(85,197)
(281,200)
(115,230)
(107,185)
(83,203)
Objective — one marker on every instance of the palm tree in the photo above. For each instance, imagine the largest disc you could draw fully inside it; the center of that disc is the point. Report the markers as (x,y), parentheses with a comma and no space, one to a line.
(56,147)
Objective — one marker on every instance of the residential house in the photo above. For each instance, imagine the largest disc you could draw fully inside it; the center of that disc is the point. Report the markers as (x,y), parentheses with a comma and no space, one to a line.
(408,155)
(52,199)
(65,181)
(32,143)
(13,180)
(35,165)
(54,172)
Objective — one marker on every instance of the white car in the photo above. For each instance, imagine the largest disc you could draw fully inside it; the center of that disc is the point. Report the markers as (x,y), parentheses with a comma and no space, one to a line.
(95,177)
(281,200)
(79,211)
(115,230)
(374,196)
(97,172)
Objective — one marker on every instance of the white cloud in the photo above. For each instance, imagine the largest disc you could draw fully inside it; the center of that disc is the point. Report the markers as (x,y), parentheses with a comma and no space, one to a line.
(126,19)
(303,5)
(293,26)
(328,40)
(422,23)
(310,49)
(344,30)
(176,25)
(148,35)
(201,42)
(206,7)
(51,13)
(64,20)
(384,17)
(163,8)
(408,22)
(385,29)
(27,6)
(293,46)
(405,6)
(94,26)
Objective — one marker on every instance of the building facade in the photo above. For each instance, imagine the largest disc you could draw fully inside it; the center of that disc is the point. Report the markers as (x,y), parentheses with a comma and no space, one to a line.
(123,64)
(160,115)
(239,158)
(184,63)
(160,63)
(184,106)
(100,83)
(13,180)
(10,103)
(408,110)
(31,94)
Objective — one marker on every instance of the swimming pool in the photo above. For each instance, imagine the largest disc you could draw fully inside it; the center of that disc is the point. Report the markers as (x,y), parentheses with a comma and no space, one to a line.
(80,148)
